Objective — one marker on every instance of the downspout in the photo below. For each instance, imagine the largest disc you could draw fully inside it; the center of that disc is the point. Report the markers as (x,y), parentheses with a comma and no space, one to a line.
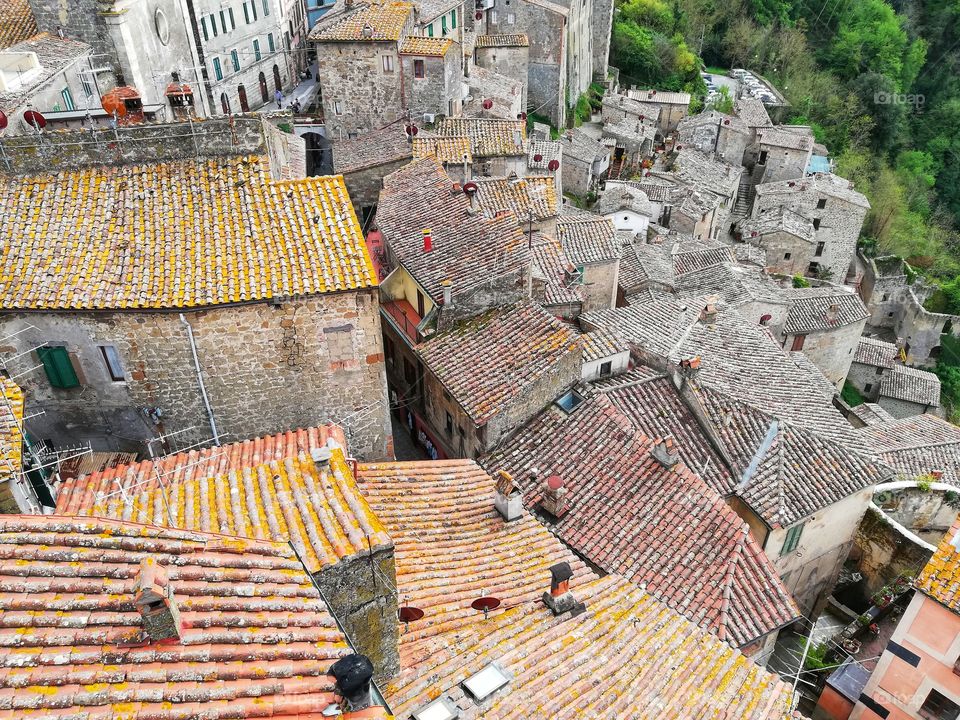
(203,389)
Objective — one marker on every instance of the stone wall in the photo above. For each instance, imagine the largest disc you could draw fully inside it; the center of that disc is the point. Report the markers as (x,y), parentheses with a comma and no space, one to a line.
(364,185)
(781,163)
(831,350)
(731,145)
(786,253)
(512,62)
(602,26)
(266,369)
(902,408)
(866,379)
(366,606)
(71,149)
(885,552)
(512,286)
(577,175)
(922,330)
(600,285)
(438,91)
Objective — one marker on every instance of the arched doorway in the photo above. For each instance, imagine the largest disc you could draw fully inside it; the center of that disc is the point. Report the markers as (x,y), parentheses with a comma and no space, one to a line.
(276,77)
(264,90)
(225,103)
(242,92)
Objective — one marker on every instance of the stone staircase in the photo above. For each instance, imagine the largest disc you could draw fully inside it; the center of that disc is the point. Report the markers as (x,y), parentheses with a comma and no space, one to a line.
(745,195)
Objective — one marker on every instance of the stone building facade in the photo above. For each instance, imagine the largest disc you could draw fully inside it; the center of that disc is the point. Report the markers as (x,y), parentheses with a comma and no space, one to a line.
(508,55)
(432,77)
(834,208)
(714,133)
(785,237)
(779,154)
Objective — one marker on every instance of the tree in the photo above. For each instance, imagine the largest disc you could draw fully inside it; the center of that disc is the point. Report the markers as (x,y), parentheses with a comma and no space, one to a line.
(723,102)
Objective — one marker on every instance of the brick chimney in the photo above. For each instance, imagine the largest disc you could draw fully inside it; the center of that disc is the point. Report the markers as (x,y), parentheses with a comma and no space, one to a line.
(153,598)
(936,475)
(353,674)
(708,313)
(665,452)
(555,499)
(508,499)
(560,599)
(689,367)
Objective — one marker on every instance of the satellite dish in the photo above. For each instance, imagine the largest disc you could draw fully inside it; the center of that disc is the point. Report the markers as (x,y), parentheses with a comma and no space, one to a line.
(470,188)
(522,116)
(486,604)
(487,104)
(3,120)
(479,15)
(35,119)
(553,165)
(408,614)
(412,130)
(643,117)
(679,147)
(538,157)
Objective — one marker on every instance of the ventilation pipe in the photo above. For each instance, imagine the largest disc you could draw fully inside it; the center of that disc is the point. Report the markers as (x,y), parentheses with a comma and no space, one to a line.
(353,675)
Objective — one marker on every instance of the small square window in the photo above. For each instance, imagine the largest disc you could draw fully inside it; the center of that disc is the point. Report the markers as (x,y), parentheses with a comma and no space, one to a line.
(419,71)
(792,540)
(939,707)
(388,63)
(885,297)
(820,247)
(606,368)
(816,223)
(868,387)
(338,107)
(821,203)
(58,365)
(879,371)
(787,256)
(449,424)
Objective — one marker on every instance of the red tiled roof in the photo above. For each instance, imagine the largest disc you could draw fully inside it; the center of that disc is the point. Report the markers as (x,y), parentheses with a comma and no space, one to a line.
(256,638)
(451,546)
(268,488)
(487,361)
(663,529)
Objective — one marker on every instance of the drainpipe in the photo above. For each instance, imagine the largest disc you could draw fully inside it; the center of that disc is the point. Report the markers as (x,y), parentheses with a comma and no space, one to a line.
(203,389)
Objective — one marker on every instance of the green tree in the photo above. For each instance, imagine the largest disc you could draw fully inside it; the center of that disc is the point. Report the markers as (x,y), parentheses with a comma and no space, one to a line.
(723,102)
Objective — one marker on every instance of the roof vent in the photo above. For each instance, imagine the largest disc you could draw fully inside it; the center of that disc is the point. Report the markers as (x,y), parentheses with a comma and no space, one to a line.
(153,598)
(353,674)
(665,452)
(555,501)
(560,599)
(427,240)
(508,499)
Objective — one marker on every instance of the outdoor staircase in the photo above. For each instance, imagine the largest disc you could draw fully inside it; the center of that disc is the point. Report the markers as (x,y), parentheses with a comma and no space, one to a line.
(745,195)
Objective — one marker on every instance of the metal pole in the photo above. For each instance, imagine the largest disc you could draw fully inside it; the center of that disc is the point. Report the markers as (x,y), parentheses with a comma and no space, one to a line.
(203,389)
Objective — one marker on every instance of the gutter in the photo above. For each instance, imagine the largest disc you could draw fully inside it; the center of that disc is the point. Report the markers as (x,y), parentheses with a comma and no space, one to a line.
(203,389)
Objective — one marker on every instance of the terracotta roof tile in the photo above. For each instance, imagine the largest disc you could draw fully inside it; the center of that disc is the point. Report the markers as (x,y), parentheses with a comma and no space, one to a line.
(546,150)
(487,361)
(385,19)
(940,579)
(752,112)
(268,488)
(16,22)
(667,531)
(553,265)
(912,385)
(875,353)
(601,344)
(489,137)
(660,97)
(495,41)
(777,219)
(468,249)
(447,149)
(872,414)
(255,635)
(417,45)
(537,193)
(193,220)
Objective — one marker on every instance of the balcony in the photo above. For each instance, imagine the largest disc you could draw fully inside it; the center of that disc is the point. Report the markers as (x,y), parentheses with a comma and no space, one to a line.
(405,317)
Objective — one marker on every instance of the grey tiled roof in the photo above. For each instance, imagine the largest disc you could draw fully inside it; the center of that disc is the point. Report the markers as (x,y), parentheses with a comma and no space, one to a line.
(577,144)
(752,112)
(778,137)
(917,445)
(815,309)
(377,147)
(551,264)
(661,97)
(632,106)
(603,343)
(588,239)
(821,183)
(712,118)
(876,353)
(547,150)
(872,414)
(912,385)
(778,219)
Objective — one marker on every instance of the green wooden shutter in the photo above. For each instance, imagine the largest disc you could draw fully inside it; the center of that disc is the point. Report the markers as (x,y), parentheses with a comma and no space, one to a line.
(59,369)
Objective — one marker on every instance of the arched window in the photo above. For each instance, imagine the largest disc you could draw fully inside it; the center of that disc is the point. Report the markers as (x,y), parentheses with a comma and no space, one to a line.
(242,92)
(225,103)
(264,90)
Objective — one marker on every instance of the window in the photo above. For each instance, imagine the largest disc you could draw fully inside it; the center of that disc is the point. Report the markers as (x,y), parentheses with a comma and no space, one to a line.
(270,43)
(217,70)
(816,223)
(253,9)
(223,21)
(868,387)
(763,157)
(449,425)
(443,25)
(203,27)
(67,99)
(111,358)
(453,20)
(235,57)
(798,342)
(233,22)
(430,30)
(58,366)
(387,63)
(792,540)
(418,69)
(879,371)
(256,49)
(493,17)
(606,368)
(246,14)
(266,7)
(820,247)
(213,25)
(787,256)
(821,203)
(510,18)
(338,107)
(939,707)
(86,85)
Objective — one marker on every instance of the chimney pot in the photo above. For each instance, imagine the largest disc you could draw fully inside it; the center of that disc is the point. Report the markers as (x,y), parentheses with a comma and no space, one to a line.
(936,474)
(560,599)
(665,452)
(427,240)
(555,500)
(153,598)
(508,499)
(447,286)
(353,674)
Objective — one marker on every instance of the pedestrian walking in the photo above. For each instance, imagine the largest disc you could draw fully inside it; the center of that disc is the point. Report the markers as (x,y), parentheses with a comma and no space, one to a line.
(278,96)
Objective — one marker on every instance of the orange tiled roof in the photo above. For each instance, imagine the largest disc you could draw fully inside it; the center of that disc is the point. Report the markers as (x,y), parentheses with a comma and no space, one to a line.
(489,137)
(11,439)
(175,234)
(268,488)
(940,578)
(385,21)
(417,45)
(537,193)
(256,638)
(495,41)
(452,547)
(16,22)
(444,149)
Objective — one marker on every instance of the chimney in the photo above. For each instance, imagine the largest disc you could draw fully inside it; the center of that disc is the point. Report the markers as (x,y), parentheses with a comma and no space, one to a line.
(447,286)
(665,452)
(936,475)
(153,598)
(555,497)
(560,599)
(508,499)
(353,674)
(832,313)
(708,314)
(427,240)
(689,367)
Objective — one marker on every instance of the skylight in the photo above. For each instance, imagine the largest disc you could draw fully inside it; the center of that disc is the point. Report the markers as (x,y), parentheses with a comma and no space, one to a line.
(439,709)
(570,402)
(486,682)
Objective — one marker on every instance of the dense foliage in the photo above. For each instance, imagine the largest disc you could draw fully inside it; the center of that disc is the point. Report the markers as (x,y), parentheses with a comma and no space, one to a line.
(878,81)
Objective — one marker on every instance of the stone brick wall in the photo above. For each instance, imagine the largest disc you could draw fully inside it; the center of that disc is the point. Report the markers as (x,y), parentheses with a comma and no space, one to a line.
(578,41)
(367,607)
(731,145)
(577,175)
(600,285)
(885,553)
(921,330)
(511,286)
(438,92)
(831,350)
(364,185)
(512,62)
(902,408)
(783,163)
(266,369)
(602,25)
(71,149)
(864,376)
(778,246)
